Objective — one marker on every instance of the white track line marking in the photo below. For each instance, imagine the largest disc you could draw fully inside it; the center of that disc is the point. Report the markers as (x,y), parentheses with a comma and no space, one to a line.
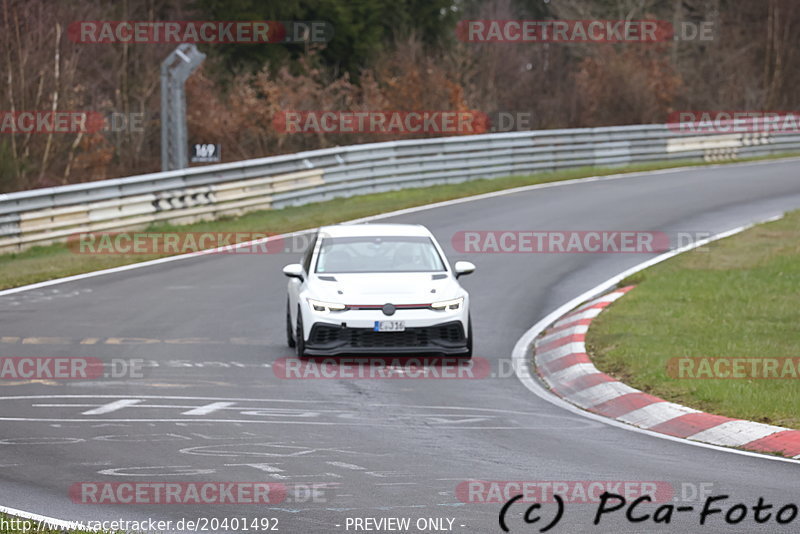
(208,408)
(346,465)
(112,406)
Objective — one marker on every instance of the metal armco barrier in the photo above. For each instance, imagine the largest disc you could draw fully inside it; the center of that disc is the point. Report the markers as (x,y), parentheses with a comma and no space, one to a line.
(44,216)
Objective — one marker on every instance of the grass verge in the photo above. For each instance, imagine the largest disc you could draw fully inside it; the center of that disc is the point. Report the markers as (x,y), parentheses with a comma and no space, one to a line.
(736,298)
(43,263)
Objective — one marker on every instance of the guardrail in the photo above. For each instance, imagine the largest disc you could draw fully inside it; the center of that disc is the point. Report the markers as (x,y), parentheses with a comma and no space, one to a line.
(43,216)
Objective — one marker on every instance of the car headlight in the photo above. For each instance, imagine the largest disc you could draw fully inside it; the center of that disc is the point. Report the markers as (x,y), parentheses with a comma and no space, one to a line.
(452,304)
(320,306)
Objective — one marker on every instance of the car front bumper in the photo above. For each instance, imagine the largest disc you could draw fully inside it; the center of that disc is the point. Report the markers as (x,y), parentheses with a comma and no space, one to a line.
(329,340)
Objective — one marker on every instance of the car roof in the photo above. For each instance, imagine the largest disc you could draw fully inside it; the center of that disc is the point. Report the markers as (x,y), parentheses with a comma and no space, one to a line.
(368,229)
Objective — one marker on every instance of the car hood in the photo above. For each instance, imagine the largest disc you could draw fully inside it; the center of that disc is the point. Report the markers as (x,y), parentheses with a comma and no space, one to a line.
(380,288)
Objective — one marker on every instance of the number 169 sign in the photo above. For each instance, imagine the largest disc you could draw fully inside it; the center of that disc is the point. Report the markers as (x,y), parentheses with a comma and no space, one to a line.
(206,153)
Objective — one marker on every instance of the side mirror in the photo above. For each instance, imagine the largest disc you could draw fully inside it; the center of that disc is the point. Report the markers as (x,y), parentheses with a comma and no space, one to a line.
(294,270)
(464,267)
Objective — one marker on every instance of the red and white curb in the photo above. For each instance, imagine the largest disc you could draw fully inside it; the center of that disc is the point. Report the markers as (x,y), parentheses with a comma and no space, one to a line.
(563,364)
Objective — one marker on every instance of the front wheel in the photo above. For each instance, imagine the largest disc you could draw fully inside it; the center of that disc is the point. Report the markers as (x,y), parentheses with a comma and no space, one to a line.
(299,340)
(289,330)
(468,354)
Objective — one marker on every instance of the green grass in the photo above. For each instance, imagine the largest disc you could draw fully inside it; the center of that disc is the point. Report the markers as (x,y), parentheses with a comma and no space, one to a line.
(14,525)
(42,263)
(739,297)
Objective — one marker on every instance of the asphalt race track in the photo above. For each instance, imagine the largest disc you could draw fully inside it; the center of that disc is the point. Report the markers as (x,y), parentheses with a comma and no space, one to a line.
(209,406)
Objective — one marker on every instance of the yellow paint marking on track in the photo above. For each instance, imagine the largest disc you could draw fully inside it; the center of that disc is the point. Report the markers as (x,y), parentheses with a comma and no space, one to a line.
(130,341)
(193,341)
(46,341)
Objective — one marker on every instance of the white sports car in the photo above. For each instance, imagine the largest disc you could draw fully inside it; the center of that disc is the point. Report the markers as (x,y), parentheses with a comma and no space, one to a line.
(377,288)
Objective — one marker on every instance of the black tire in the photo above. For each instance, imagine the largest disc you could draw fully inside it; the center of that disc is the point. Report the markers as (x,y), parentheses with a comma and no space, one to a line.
(289,330)
(299,340)
(468,354)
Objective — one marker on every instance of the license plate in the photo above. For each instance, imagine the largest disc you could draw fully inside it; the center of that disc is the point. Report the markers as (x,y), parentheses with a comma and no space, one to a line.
(389,326)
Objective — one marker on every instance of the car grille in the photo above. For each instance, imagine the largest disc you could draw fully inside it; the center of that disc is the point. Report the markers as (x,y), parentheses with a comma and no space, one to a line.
(327,336)
(369,338)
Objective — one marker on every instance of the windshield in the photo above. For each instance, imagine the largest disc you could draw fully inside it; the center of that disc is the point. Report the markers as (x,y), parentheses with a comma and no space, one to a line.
(378,255)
